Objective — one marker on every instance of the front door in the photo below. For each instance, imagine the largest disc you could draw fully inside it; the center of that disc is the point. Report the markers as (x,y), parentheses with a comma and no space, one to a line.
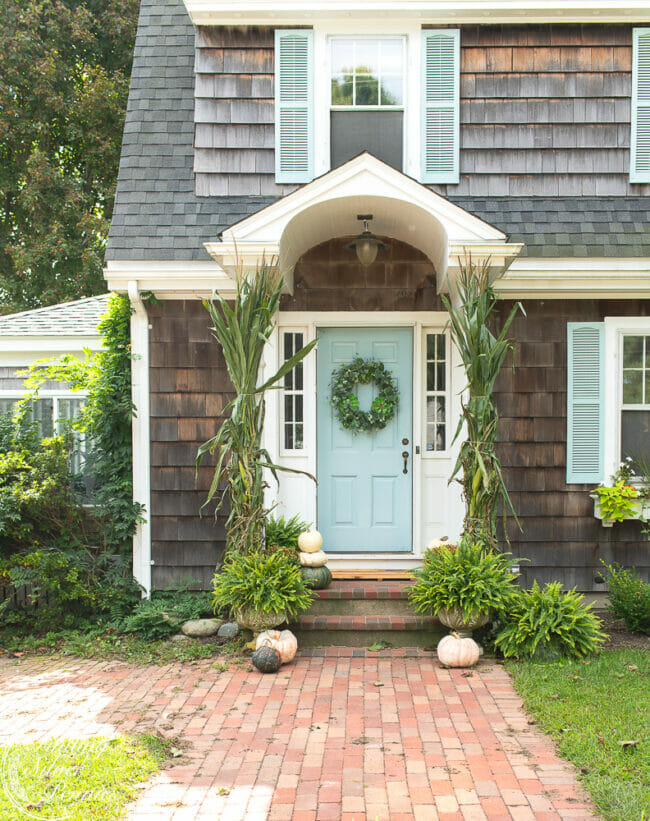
(365,485)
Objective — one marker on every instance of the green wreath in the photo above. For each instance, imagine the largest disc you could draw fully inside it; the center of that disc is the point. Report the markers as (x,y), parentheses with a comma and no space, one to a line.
(346,404)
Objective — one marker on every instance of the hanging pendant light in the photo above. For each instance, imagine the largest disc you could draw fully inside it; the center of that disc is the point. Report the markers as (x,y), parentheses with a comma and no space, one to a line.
(366,245)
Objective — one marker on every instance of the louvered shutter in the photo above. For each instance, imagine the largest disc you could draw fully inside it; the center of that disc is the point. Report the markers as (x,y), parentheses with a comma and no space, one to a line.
(640,136)
(585,402)
(440,105)
(294,94)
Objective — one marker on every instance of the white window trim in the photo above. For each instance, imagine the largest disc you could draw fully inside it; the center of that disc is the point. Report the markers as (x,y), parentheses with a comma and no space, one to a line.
(411,32)
(615,328)
(449,432)
(307,366)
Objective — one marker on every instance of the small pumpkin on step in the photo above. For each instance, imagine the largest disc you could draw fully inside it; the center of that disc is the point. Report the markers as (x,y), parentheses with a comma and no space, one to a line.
(310,541)
(267,659)
(318,578)
(317,559)
(454,651)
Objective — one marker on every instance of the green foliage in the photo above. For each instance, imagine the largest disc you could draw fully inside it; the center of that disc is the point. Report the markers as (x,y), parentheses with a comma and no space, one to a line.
(283,532)
(67,587)
(242,329)
(346,404)
(629,597)
(65,68)
(483,355)
(590,709)
(469,577)
(38,506)
(78,779)
(618,502)
(165,612)
(105,422)
(548,622)
(262,582)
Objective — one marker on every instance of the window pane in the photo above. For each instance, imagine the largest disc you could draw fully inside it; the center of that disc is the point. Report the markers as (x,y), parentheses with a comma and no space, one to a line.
(288,346)
(288,437)
(632,387)
(298,443)
(431,376)
(431,409)
(391,90)
(342,56)
(441,409)
(441,346)
(441,376)
(7,405)
(41,412)
(632,351)
(391,57)
(298,372)
(440,437)
(288,408)
(635,435)
(431,346)
(288,381)
(342,90)
(367,90)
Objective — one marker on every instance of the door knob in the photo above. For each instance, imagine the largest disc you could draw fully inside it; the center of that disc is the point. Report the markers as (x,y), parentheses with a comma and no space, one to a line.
(405,441)
(405,457)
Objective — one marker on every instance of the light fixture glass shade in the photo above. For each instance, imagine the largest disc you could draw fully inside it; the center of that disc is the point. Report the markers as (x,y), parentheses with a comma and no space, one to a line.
(367,248)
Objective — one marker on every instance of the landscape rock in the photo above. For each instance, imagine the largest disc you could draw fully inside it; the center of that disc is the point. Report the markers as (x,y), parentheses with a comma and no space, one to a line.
(229,630)
(180,637)
(200,628)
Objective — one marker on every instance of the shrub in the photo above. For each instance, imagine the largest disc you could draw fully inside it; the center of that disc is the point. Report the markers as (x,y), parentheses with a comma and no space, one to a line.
(283,532)
(469,577)
(547,622)
(262,582)
(164,614)
(629,597)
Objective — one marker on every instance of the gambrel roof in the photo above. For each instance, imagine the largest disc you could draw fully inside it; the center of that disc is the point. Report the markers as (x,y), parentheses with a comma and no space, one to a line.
(158,216)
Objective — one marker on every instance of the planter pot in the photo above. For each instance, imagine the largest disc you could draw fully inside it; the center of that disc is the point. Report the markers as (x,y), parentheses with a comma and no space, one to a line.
(454,620)
(257,622)
(641,511)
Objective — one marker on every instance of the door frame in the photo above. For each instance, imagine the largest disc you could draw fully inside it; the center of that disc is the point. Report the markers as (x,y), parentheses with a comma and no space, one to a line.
(298,493)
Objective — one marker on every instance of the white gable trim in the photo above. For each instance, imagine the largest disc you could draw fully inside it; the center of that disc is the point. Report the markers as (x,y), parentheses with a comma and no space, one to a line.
(296,12)
(327,207)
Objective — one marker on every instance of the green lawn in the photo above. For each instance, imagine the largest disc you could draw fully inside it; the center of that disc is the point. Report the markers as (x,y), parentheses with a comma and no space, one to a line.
(592,708)
(76,779)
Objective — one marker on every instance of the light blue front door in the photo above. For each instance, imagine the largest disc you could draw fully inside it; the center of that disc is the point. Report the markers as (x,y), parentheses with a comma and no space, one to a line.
(364,495)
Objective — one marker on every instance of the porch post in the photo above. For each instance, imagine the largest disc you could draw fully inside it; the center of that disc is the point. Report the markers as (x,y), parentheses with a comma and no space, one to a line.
(141,438)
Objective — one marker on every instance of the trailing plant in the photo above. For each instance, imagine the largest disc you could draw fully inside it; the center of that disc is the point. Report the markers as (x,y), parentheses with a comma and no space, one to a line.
(618,502)
(629,597)
(547,622)
(163,614)
(242,329)
(261,582)
(483,355)
(104,421)
(469,577)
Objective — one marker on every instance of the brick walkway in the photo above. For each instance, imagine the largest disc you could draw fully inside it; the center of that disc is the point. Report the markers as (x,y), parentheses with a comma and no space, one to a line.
(385,737)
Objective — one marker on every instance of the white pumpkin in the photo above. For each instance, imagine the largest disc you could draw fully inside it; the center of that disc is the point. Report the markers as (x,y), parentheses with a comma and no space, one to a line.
(313,559)
(284,642)
(310,541)
(453,651)
(434,544)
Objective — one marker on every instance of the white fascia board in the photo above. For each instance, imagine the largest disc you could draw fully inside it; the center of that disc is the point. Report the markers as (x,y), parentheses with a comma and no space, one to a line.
(48,346)
(295,12)
(576,278)
(169,280)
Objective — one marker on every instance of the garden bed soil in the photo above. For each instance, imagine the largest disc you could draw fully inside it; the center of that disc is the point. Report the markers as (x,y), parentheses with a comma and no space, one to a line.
(618,636)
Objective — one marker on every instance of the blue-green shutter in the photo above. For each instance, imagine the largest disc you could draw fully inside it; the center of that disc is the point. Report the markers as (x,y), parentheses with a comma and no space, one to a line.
(294,106)
(585,402)
(440,105)
(640,135)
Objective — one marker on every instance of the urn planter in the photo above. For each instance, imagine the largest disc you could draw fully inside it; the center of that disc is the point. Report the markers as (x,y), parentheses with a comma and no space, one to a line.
(456,621)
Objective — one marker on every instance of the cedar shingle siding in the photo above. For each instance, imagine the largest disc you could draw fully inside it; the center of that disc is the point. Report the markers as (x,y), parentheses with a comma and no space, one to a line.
(560,535)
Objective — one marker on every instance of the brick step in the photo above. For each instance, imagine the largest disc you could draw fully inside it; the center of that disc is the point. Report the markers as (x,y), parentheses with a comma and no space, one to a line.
(365,590)
(365,630)
(360,607)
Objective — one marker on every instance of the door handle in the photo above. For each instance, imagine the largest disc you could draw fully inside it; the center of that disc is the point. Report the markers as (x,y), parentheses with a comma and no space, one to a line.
(405,457)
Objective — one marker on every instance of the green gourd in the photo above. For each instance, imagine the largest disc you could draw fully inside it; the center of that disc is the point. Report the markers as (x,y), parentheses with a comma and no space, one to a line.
(267,659)
(317,578)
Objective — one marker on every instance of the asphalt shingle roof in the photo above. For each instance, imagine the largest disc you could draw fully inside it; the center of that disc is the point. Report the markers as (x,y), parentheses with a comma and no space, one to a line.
(157,216)
(69,318)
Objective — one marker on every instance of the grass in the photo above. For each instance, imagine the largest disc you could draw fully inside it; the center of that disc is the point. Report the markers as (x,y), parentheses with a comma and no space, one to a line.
(591,708)
(107,643)
(76,779)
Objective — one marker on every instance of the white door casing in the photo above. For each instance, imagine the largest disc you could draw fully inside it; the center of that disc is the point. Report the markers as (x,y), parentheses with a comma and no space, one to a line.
(437,505)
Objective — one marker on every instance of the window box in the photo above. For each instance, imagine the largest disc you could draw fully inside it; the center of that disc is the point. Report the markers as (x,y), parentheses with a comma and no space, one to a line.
(641,511)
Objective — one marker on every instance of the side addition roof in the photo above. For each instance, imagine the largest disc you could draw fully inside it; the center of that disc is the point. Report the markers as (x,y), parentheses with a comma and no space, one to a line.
(79,318)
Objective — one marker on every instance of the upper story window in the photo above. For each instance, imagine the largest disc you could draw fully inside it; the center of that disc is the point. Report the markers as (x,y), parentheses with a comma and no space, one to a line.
(367,82)
(635,405)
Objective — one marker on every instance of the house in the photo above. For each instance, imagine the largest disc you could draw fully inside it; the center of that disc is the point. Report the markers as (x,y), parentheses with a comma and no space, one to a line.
(69,328)
(517,133)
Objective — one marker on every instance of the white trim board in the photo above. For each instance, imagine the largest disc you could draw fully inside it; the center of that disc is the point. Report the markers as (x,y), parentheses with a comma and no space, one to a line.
(296,12)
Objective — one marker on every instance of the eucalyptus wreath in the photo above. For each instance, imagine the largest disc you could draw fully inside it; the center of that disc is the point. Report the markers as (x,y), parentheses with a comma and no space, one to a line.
(346,404)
